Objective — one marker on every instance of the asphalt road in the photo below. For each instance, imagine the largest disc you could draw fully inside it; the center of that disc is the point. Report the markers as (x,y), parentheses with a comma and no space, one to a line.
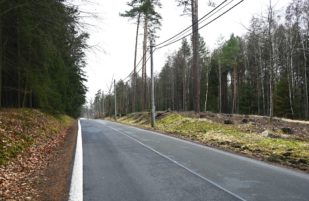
(123,163)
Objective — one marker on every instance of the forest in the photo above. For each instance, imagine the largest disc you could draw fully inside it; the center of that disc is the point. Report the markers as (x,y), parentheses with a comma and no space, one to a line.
(42,56)
(263,72)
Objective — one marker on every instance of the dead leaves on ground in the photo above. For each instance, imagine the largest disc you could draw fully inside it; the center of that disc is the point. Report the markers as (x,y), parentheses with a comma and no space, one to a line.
(28,138)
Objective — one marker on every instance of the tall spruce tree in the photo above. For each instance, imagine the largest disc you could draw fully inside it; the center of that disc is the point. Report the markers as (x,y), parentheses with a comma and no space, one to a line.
(42,56)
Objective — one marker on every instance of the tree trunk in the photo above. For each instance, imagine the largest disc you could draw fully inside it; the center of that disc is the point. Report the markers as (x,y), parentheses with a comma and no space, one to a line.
(206,93)
(305,80)
(172,90)
(19,67)
(30,99)
(290,81)
(270,19)
(220,87)
(258,95)
(195,44)
(134,71)
(1,56)
(144,79)
(234,106)
(25,95)
(184,88)
(224,92)
(270,91)
(262,80)
(258,87)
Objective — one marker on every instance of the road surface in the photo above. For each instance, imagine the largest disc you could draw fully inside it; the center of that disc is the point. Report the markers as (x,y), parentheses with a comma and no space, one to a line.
(123,163)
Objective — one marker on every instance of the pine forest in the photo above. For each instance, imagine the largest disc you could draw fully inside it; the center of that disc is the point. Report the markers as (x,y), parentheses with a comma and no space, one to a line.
(42,56)
(263,72)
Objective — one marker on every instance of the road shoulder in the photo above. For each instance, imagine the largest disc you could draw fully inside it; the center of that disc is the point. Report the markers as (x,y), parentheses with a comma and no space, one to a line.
(54,183)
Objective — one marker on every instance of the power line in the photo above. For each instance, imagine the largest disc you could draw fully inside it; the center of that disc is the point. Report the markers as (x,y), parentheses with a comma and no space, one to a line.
(188,28)
(137,65)
(202,26)
(129,77)
(185,30)
(217,11)
(142,57)
(201,21)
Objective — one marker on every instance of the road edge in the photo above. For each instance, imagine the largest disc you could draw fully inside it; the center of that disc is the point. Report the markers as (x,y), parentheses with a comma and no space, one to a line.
(279,167)
(180,165)
(76,188)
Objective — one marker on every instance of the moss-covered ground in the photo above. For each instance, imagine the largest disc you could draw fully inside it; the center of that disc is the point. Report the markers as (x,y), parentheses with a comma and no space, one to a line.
(288,151)
(20,128)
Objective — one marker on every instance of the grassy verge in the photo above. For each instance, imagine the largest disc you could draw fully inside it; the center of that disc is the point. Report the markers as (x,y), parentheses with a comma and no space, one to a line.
(20,128)
(285,151)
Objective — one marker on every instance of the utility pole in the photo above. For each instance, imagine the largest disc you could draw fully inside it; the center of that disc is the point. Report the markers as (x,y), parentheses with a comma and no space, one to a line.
(220,85)
(115,100)
(103,104)
(153,109)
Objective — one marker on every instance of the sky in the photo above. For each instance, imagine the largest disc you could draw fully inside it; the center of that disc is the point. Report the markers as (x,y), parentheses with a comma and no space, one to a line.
(112,38)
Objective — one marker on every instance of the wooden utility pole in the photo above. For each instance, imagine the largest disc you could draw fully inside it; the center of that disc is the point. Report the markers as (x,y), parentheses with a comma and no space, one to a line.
(220,85)
(153,109)
(115,100)
(103,104)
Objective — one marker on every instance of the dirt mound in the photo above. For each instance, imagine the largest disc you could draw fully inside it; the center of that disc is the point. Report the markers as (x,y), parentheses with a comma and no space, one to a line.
(255,123)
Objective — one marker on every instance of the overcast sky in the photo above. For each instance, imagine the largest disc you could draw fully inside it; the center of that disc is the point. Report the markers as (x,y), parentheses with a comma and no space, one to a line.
(112,37)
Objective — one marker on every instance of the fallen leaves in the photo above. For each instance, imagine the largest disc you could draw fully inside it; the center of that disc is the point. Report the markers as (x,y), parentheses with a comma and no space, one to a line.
(28,137)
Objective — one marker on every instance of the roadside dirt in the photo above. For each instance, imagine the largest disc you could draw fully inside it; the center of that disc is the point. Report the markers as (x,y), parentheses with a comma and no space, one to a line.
(54,184)
(258,124)
(43,171)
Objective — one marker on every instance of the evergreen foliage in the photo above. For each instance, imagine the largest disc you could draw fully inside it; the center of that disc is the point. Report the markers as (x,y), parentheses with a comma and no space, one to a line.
(42,56)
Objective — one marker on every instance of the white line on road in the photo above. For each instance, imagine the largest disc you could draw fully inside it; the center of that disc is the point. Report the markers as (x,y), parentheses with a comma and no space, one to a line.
(177,163)
(76,189)
(229,154)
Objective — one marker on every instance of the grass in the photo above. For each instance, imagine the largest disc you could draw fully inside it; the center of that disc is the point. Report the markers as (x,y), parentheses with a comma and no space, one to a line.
(20,128)
(290,152)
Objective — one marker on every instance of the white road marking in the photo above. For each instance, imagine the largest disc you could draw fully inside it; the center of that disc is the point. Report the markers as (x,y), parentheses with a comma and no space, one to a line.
(243,158)
(76,188)
(177,163)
